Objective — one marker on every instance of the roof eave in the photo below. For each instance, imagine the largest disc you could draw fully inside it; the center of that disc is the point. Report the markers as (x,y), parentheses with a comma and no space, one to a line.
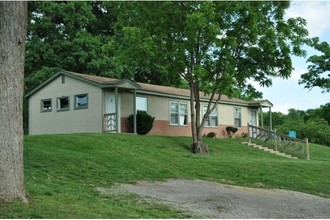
(261,103)
(94,83)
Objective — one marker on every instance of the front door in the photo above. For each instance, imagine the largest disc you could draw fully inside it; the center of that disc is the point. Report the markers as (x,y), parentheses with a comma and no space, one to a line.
(110,112)
(110,103)
(253,117)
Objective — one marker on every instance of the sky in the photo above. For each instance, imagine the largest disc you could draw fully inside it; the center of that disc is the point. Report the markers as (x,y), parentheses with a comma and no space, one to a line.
(286,94)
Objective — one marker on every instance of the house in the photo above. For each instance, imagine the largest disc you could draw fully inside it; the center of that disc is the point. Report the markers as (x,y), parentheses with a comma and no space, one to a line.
(71,102)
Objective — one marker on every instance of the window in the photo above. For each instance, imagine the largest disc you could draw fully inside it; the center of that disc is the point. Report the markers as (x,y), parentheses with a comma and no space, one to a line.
(141,104)
(212,119)
(237,118)
(179,113)
(63,103)
(81,101)
(46,105)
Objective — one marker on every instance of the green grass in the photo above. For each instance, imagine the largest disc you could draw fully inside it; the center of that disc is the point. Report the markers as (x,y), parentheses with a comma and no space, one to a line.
(62,173)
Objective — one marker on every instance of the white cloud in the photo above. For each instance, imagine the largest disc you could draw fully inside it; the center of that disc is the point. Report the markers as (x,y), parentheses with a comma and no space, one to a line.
(316,13)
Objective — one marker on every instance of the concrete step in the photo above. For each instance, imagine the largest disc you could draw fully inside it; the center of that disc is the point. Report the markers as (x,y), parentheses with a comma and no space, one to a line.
(266,149)
(281,154)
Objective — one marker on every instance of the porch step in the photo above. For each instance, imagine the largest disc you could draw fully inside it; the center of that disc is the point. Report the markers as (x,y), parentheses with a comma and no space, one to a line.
(266,149)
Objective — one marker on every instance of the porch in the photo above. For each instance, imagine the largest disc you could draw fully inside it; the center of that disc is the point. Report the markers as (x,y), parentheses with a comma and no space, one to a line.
(112,99)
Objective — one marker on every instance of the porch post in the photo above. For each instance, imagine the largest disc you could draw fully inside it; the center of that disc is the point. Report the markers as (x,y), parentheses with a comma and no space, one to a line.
(134,111)
(262,117)
(270,119)
(117,113)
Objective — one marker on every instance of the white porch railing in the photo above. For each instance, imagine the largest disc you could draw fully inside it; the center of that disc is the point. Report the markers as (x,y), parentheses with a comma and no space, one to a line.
(110,122)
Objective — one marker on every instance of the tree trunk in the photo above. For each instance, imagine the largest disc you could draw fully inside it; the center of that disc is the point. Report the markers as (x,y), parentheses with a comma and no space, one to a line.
(13,18)
(197,147)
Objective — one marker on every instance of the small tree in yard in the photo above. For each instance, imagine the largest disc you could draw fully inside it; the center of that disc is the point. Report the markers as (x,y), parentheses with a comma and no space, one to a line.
(13,17)
(216,47)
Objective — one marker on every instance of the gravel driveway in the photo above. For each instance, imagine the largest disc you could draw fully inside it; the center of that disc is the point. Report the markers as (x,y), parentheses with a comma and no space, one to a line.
(213,200)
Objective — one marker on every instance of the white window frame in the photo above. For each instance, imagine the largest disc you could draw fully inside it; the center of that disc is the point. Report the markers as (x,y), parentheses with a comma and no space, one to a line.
(58,103)
(42,105)
(208,120)
(76,99)
(143,106)
(182,117)
(235,112)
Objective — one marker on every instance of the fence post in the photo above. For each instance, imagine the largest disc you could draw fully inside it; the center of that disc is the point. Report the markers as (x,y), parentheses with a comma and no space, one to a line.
(275,141)
(307,148)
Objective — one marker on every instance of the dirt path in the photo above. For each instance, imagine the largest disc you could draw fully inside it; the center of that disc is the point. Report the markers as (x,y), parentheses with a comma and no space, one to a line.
(213,200)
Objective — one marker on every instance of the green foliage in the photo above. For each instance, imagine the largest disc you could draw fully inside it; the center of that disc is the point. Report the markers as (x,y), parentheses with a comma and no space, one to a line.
(322,112)
(210,42)
(278,118)
(214,46)
(318,72)
(316,130)
(211,135)
(75,36)
(231,130)
(312,123)
(144,122)
(63,172)
(244,135)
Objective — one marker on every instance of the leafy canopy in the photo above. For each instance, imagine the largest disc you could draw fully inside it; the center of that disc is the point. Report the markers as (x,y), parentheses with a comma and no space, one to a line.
(318,72)
(68,35)
(215,47)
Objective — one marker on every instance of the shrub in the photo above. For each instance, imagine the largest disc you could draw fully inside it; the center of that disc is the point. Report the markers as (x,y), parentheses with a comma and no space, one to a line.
(211,135)
(144,122)
(231,130)
(244,135)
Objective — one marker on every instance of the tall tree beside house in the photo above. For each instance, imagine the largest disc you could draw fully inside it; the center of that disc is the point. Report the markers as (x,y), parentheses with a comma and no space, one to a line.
(13,17)
(69,35)
(213,46)
(318,72)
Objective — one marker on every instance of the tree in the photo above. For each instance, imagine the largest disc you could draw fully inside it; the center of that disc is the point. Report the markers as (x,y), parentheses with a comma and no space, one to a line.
(213,46)
(278,118)
(321,112)
(13,17)
(69,35)
(318,72)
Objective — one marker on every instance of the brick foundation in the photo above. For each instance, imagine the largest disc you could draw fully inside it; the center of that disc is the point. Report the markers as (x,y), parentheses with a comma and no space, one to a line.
(164,128)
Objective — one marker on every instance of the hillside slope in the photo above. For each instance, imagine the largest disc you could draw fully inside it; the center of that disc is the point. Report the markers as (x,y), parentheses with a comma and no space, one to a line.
(62,172)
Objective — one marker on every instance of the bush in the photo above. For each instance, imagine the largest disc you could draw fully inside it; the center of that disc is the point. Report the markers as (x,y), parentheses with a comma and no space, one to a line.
(144,122)
(244,135)
(231,130)
(211,135)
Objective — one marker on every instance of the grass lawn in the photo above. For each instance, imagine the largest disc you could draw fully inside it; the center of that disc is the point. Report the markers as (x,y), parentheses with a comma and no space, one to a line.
(62,172)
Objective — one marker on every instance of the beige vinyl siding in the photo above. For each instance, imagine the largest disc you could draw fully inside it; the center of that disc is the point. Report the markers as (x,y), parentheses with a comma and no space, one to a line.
(158,107)
(226,114)
(70,121)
